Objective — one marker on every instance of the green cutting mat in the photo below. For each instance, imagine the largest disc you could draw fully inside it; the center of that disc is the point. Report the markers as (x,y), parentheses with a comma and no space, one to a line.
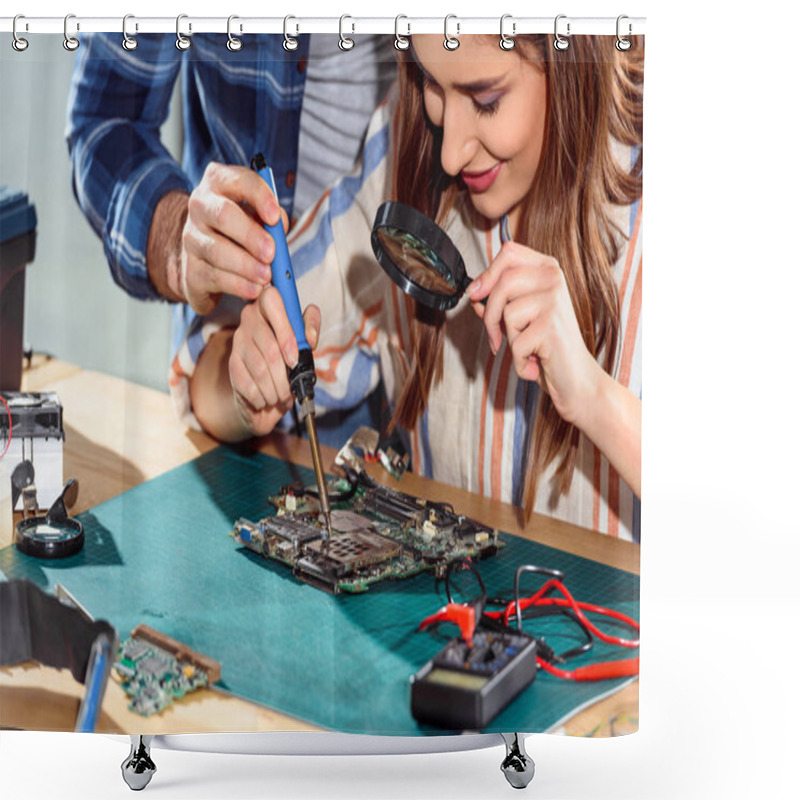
(160,554)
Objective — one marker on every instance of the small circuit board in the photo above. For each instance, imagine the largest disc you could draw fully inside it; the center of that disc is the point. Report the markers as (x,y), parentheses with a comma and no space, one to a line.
(378,534)
(155,670)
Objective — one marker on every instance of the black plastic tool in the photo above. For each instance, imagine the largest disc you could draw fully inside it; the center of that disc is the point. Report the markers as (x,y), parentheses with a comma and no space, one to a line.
(55,535)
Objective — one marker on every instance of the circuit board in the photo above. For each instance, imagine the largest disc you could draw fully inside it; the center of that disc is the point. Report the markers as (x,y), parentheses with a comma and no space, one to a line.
(155,670)
(378,534)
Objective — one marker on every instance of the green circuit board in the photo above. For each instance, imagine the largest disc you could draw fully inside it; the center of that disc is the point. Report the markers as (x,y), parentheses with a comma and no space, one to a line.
(378,534)
(155,670)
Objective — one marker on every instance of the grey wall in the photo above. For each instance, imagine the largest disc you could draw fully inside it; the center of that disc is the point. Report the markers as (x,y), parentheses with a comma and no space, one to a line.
(73,309)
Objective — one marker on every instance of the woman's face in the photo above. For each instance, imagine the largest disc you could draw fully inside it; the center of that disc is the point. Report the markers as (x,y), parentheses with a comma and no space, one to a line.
(491,106)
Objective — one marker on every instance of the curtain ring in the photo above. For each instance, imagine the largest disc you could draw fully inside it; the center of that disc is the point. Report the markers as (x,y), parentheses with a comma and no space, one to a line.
(451,42)
(506,42)
(623,44)
(233,44)
(128,42)
(289,43)
(345,43)
(71,43)
(400,42)
(181,42)
(560,43)
(18,43)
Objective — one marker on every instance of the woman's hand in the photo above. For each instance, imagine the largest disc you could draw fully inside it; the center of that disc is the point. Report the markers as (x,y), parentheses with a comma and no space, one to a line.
(528,296)
(264,345)
(225,249)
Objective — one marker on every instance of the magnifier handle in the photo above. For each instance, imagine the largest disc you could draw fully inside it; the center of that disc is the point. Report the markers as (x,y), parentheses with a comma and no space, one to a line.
(282,273)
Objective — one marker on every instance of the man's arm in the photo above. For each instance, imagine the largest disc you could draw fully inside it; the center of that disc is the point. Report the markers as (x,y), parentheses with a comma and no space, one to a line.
(164,245)
(120,169)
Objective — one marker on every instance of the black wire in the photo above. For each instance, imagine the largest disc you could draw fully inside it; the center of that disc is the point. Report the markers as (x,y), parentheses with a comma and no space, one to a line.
(534,612)
(480,602)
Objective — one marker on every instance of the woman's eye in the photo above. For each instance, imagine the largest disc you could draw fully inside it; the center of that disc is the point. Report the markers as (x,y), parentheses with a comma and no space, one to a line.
(487,104)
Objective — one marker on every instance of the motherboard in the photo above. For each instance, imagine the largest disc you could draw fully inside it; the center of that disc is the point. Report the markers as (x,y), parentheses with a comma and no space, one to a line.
(378,534)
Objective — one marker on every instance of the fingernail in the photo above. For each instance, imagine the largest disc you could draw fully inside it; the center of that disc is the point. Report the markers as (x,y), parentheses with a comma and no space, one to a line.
(267,250)
(474,287)
(313,337)
(492,347)
(265,273)
(290,353)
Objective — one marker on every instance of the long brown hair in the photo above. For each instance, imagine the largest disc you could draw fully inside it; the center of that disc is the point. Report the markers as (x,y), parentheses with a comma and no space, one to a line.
(594,96)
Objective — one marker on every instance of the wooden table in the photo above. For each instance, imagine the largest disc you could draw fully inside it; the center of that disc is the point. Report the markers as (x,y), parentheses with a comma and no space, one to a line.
(106,417)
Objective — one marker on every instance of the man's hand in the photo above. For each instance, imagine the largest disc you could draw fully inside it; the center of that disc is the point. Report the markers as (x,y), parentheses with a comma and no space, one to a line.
(213,242)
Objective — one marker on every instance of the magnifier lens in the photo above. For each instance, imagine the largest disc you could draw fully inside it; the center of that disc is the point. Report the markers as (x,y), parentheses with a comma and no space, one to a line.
(418,262)
(418,256)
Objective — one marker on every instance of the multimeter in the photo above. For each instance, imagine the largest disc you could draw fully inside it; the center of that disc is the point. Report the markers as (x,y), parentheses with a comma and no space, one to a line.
(466,685)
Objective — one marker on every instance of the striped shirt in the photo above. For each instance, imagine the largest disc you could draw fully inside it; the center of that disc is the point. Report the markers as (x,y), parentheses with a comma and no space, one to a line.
(475,428)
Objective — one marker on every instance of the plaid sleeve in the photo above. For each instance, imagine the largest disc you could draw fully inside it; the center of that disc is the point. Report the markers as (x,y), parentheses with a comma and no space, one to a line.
(120,169)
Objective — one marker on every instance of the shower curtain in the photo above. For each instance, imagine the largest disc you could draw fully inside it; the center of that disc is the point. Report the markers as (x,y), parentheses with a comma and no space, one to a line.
(505,430)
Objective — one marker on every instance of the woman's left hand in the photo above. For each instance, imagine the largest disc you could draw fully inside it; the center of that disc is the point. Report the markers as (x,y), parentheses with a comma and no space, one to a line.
(528,293)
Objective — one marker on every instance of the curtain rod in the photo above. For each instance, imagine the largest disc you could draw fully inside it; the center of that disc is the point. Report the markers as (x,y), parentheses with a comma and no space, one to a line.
(241,26)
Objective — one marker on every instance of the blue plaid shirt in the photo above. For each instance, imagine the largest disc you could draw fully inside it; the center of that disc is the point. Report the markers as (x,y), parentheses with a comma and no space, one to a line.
(234,105)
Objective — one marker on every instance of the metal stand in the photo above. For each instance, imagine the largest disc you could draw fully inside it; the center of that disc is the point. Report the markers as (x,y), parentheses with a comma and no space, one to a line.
(518,766)
(138,768)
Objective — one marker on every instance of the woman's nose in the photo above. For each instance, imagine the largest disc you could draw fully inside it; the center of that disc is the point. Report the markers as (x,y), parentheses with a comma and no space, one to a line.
(459,143)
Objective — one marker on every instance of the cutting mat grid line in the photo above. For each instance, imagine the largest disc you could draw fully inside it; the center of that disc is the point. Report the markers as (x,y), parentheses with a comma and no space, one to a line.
(160,554)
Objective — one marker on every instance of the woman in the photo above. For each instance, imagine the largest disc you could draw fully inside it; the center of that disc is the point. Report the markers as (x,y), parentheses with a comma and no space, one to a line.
(531,160)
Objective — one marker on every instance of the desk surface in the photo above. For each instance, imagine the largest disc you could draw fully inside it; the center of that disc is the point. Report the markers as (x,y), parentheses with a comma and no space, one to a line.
(105,417)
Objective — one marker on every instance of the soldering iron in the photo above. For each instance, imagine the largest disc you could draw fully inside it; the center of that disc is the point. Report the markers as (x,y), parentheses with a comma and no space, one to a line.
(302,376)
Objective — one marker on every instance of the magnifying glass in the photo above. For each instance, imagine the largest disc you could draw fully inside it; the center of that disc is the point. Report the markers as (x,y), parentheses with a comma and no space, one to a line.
(419,256)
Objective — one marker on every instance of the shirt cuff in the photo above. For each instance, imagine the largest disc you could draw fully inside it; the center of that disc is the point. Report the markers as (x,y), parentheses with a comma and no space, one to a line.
(130,215)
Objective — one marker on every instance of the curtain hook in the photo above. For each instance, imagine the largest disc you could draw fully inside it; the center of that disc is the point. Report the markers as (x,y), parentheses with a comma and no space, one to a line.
(288,42)
(623,44)
(451,42)
(71,43)
(400,42)
(128,42)
(181,42)
(506,42)
(18,43)
(345,43)
(233,44)
(560,42)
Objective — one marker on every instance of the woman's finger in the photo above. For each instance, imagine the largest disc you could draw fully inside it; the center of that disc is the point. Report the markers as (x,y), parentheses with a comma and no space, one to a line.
(525,351)
(312,317)
(513,283)
(243,383)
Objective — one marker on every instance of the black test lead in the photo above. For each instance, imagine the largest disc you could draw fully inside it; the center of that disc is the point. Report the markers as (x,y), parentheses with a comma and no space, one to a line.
(302,376)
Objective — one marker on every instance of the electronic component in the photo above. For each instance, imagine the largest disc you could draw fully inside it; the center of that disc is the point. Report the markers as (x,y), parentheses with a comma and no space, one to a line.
(478,674)
(377,534)
(155,670)
(466,685)
(32,432)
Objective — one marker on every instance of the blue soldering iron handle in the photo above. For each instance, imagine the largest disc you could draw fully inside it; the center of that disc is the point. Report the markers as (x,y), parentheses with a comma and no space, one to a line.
(282,273)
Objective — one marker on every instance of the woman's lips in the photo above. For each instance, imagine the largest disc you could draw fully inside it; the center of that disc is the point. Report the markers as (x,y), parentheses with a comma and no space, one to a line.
(480,181)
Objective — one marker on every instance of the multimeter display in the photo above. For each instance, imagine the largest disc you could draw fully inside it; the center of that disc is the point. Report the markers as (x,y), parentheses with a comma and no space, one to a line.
(449,677)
